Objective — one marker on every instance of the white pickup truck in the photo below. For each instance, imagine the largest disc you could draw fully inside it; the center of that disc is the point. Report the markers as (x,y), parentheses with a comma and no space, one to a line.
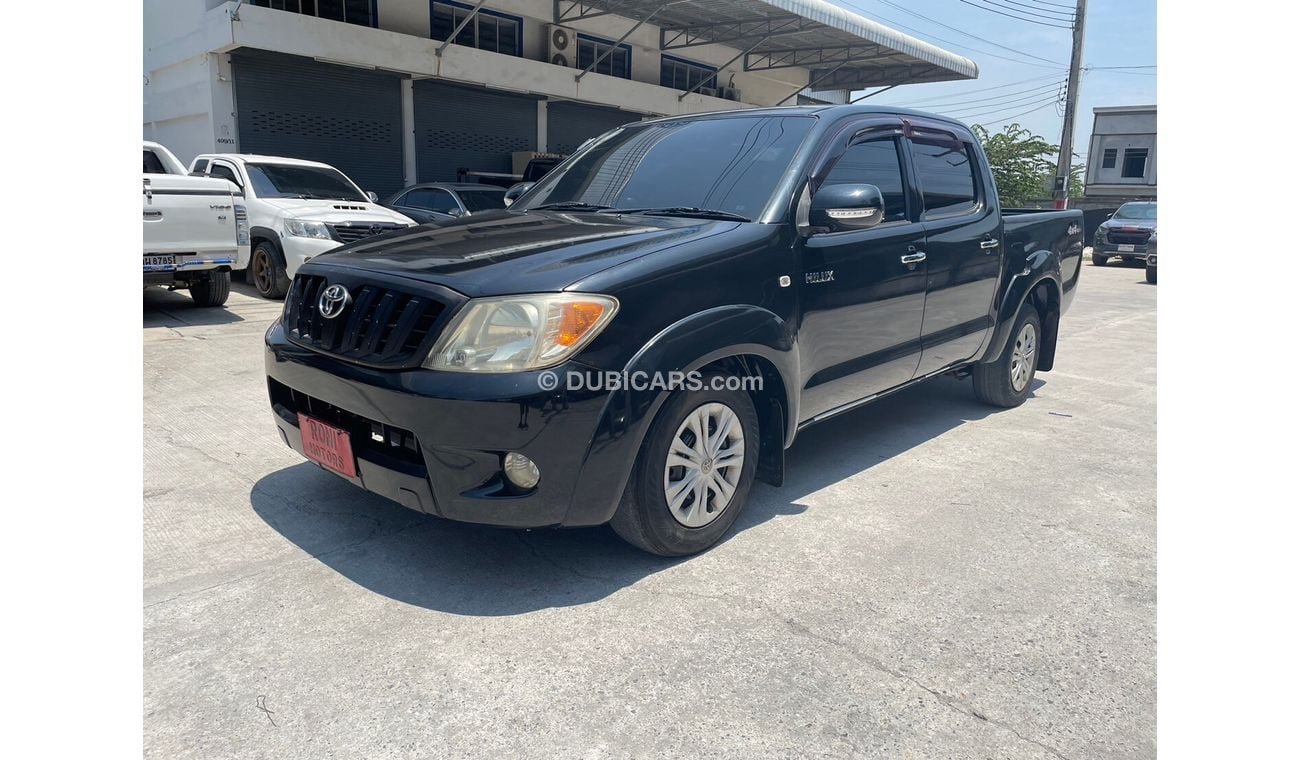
(296,210)
(195,229)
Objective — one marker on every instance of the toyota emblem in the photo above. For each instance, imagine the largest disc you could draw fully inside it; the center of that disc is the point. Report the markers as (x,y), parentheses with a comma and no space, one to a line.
(333,300)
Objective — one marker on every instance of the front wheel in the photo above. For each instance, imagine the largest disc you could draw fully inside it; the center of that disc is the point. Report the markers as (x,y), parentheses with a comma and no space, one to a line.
(1006,382)
(1099,259)
(212,290)
(267,271)
(1151,274)
(693,474)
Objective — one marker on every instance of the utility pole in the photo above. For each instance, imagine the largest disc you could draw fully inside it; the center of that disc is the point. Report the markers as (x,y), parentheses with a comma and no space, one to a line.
(1061,191)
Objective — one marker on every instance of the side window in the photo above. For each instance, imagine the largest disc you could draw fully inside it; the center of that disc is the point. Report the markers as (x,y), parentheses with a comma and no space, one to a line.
(224,172)
(876,162)
(946,174)
(200,166)
(152,164)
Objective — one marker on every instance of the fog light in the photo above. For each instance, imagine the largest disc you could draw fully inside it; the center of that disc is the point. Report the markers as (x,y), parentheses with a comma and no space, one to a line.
(521,470)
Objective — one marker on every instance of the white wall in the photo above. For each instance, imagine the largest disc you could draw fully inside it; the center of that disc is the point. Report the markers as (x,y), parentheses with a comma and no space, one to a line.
(1120,131)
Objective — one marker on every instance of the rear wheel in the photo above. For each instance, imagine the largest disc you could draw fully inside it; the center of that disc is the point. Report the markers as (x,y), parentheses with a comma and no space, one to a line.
(267,272)
(212,290)
(1006,382)
(1099,259)
(693,474)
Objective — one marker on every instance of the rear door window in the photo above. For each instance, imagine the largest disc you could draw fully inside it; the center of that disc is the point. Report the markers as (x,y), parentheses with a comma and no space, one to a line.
(153,164)
(224,172)
(945,172)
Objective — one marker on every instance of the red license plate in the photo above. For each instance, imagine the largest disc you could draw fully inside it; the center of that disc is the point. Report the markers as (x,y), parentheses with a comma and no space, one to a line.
(327,446)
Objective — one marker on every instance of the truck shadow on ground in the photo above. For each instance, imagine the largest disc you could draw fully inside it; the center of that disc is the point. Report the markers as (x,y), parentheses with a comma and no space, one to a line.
(483,571)
(175,308)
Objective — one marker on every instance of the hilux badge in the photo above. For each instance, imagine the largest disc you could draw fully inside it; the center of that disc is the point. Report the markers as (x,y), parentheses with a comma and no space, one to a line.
(333,300)
(816,278)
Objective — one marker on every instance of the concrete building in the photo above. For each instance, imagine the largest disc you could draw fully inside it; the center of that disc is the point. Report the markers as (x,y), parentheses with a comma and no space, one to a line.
(375,87)
(1122,154)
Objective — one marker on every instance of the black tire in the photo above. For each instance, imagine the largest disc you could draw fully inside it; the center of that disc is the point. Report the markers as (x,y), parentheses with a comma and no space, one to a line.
(1151,274)
(266,271)
(993,380)
(1099,259)
(212,290)
(644,518)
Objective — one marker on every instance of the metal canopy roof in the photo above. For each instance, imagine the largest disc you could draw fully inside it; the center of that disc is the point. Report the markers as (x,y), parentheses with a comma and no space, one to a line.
(841,49)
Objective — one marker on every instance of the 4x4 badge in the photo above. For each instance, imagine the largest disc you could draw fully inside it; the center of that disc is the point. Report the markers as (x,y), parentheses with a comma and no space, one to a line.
(333,300)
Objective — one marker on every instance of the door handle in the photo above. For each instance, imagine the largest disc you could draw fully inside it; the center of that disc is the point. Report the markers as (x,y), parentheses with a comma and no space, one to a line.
(988,245)
(913,258)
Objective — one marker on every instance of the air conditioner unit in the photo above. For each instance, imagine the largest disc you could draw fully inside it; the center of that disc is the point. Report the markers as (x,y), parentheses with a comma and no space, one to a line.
(729,93)
(712,92)
(561,45)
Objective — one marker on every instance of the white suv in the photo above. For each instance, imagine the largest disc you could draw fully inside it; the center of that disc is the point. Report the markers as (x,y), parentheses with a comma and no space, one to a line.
(296,210)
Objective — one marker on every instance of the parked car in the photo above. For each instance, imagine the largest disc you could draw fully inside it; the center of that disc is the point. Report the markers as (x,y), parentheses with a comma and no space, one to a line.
(442,201)
(1125,233)
(296,210)
(644,335)
(195,229)
(1151,259)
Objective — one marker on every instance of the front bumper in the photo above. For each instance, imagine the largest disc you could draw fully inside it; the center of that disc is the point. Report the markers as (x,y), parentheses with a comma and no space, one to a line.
(297,250)
(445,434)
(1151,259)
(1113,249)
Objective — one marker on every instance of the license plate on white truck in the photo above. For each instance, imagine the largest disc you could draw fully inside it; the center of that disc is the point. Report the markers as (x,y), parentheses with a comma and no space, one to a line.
(1125,248)
(160,262)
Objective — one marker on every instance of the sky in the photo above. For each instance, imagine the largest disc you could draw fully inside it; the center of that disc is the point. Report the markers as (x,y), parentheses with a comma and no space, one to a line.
(1117,33)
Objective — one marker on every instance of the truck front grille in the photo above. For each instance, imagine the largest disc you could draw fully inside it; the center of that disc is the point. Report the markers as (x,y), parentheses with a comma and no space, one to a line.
(1120,237)
(381,326)
(348,232)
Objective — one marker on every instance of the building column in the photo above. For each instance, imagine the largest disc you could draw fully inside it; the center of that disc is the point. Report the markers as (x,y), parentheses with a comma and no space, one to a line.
(541,126)
(409,171)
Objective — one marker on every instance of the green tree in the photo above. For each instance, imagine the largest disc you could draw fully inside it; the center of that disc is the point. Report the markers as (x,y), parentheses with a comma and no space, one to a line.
(1024,164)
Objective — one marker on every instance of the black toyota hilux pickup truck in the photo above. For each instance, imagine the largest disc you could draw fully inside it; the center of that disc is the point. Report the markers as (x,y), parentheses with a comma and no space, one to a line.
(643,334)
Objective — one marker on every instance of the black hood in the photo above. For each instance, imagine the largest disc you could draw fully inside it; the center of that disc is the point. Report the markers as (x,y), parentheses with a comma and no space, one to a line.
(1136,224)
(504,252)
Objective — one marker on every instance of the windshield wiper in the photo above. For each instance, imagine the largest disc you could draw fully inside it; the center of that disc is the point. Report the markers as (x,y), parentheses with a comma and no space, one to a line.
(569,206)
(704,213)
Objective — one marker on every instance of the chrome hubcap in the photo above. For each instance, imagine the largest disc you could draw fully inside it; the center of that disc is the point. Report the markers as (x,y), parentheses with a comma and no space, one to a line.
(1022,357)
(704,464)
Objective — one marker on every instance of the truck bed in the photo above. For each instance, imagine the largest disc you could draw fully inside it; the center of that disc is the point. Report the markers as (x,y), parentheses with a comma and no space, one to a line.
(1027,232)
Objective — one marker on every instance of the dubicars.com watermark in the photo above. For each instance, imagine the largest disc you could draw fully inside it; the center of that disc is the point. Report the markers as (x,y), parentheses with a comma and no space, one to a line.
(646,381)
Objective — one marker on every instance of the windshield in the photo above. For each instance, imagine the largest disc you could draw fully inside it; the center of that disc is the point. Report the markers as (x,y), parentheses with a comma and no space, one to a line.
(482,200)
(1136,211)
(287,181)
(727,164)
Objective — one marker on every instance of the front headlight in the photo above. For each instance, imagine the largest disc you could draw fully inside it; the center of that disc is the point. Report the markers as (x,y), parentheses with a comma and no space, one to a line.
(516,333)
(301,228)
(1100,237)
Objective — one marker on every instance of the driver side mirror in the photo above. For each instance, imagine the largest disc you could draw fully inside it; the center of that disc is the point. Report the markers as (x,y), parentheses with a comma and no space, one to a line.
(373,196)
(838,208)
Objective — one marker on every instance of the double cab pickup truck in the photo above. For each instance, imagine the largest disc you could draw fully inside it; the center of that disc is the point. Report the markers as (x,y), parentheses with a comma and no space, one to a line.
(642,335)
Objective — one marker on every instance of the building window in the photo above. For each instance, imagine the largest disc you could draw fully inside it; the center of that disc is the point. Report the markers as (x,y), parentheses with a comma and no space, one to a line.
(1135,163)
(1108,158)
(488,30)
(681,74)
(360,12)
(617,64)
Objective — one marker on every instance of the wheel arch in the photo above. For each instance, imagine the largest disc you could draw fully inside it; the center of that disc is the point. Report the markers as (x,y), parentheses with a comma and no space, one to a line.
(1038,283)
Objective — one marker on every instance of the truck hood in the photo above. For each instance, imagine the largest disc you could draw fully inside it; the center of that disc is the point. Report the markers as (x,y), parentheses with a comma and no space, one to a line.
(1132,224)
(334,211)
(503,252)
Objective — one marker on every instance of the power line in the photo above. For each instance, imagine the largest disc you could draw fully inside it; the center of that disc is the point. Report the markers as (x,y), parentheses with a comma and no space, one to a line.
(1064,15)
(1058,5)
(910,12)
(1032,101)
(1038,90)
(983,89)
(1002,118)
(1018,18)
(1019,61)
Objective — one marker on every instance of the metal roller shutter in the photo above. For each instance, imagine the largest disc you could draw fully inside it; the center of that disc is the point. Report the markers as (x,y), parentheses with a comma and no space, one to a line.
(466,127)
(348,118)
(568,125)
